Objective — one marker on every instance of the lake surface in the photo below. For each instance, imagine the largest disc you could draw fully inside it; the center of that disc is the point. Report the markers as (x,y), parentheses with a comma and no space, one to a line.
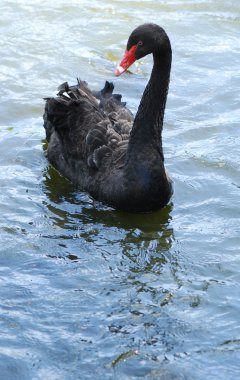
(87,292)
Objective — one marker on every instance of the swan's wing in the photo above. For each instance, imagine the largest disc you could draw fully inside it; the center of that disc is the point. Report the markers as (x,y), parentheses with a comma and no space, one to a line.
(93,127)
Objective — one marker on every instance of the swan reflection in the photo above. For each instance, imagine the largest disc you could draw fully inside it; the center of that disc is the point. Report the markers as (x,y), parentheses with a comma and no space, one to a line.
(142,238)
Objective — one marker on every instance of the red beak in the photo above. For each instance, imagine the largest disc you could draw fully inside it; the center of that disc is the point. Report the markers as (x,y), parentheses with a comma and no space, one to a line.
(127,60)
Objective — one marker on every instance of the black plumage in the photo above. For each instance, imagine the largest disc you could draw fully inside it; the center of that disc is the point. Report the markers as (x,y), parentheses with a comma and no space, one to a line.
(94,140)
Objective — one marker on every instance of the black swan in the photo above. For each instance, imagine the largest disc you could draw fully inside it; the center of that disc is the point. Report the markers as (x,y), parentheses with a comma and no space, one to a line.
(95,142)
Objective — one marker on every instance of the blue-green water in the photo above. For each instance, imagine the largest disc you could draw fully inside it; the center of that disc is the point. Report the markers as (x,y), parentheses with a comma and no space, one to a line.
(90,293)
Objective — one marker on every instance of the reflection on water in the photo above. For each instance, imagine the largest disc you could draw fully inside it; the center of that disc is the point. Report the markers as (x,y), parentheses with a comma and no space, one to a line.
(136,247)
(143,233)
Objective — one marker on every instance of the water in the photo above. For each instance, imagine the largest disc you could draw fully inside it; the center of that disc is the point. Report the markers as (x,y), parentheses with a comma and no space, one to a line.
(90,293)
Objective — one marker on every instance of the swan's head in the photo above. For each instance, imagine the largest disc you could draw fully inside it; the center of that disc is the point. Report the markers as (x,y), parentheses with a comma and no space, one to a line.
(144,40)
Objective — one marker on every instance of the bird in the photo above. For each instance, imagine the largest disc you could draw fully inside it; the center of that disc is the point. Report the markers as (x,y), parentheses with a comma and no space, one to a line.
(96,142)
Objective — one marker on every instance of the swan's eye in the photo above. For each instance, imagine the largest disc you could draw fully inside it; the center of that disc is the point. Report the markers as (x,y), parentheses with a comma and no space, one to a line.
(140,43)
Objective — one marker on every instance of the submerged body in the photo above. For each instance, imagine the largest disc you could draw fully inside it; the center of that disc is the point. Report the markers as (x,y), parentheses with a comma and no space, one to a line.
(95,142)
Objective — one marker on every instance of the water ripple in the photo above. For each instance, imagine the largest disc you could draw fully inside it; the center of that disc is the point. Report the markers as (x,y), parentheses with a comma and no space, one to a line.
(87,291)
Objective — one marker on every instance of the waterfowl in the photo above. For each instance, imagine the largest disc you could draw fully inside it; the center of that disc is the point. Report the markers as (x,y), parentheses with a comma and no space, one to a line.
(96,142)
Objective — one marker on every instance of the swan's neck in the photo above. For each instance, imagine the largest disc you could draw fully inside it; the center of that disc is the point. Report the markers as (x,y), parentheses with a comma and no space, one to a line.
(147,126)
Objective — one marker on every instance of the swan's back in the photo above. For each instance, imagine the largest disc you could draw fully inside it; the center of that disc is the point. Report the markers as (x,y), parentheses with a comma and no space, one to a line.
(87,131)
